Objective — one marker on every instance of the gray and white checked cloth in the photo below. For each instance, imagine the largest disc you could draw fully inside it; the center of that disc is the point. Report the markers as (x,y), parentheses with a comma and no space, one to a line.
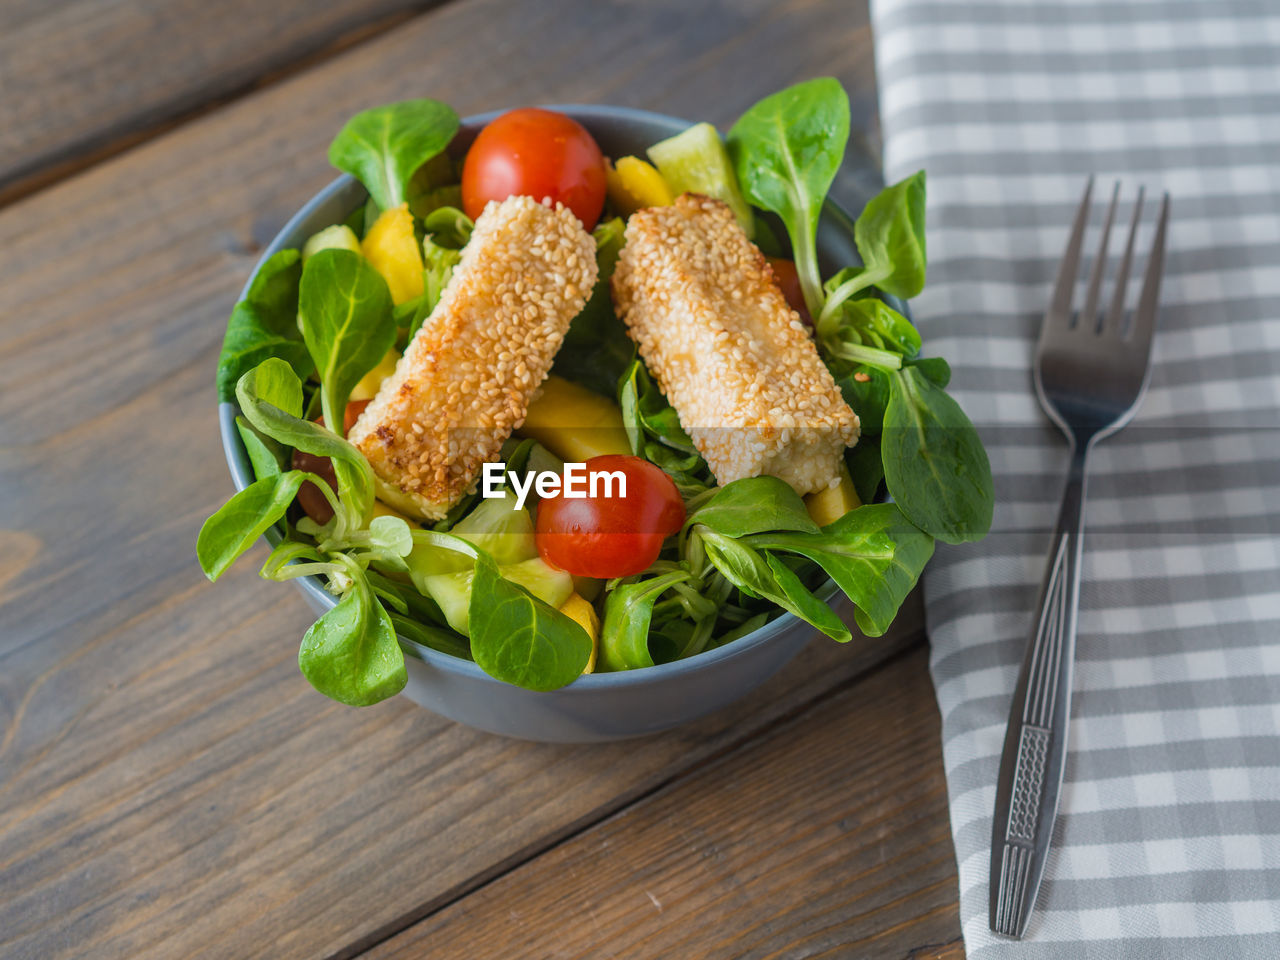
(1167,842)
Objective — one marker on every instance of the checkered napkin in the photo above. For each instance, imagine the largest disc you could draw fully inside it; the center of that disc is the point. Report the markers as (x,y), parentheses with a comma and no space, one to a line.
(1167,842)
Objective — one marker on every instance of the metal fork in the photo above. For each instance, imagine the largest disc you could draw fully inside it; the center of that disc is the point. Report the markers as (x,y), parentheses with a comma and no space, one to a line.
(1090,374)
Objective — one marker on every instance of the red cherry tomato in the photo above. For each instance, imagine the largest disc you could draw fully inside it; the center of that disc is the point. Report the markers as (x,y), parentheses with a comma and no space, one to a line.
(788,281)
(312,501)
(535,153)
(352,414)
(611,536)
(310,498)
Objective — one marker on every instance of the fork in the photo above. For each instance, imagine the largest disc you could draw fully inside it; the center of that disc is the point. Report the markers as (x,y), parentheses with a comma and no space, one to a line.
(1090,374)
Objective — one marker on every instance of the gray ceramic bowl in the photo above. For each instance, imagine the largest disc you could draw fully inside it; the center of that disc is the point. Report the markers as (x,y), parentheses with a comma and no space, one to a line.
(601,706)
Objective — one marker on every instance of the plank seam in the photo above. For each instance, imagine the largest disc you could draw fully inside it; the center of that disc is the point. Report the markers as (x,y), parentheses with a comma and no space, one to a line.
(83,154)
(621,804)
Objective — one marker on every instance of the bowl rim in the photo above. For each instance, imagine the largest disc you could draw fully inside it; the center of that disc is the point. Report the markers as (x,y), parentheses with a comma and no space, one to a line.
(242,473)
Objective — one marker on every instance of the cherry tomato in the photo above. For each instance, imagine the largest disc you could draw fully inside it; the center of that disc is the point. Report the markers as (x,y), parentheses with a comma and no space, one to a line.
(310,498)
(788,281)
(535,153)
(352,414)
(611,536)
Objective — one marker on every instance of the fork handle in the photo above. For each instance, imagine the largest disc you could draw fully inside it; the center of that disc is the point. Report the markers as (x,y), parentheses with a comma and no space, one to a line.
(1035,744)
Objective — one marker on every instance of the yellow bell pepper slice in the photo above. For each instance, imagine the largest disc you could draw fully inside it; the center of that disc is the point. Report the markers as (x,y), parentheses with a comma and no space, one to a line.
(380,509)
(391,247)
(575,423)
(368,386)
(829,505)
(633,184)
(584,614)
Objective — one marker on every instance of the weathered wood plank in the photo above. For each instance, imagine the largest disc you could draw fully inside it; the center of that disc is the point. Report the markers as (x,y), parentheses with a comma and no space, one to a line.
(169,786)
(952,950)
(84,79)
(206,806)
(826,837)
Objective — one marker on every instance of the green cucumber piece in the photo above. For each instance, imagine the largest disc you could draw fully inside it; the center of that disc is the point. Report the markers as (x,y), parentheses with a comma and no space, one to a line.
(453,590)
(338,237)
(544,581)
(542,460)
(696,161)
(499,528)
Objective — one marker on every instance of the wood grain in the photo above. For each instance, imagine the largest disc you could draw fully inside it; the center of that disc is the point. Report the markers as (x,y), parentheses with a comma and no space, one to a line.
(169,785)
(177,790)
(825,838)
(951,950)
(84,79)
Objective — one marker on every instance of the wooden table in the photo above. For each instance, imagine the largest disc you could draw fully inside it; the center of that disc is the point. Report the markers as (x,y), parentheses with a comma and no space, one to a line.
(169,784)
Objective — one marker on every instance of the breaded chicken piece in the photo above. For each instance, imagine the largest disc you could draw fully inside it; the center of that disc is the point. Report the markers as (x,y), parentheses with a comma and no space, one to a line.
(464,383)
(736,362)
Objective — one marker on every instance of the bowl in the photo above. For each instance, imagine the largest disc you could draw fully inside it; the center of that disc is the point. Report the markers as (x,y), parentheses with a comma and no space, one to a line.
(598,706)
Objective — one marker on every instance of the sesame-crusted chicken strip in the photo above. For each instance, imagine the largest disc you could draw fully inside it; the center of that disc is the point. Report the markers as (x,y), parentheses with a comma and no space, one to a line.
(464,383)
(734,360)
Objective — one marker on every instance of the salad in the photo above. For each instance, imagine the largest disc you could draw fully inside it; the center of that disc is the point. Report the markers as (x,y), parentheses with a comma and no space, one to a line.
(430,390)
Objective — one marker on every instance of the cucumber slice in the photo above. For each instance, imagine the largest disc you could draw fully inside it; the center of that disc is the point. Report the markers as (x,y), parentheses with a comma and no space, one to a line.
(506,534)
(500,529)
(453,590)
(696,161)
(544,581)
(542,460)
(337,237)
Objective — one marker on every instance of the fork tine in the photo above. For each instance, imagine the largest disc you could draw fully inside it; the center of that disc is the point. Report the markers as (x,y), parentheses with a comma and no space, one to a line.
(1144,318)
(1089,313)
(1115,314)
(1060,307)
